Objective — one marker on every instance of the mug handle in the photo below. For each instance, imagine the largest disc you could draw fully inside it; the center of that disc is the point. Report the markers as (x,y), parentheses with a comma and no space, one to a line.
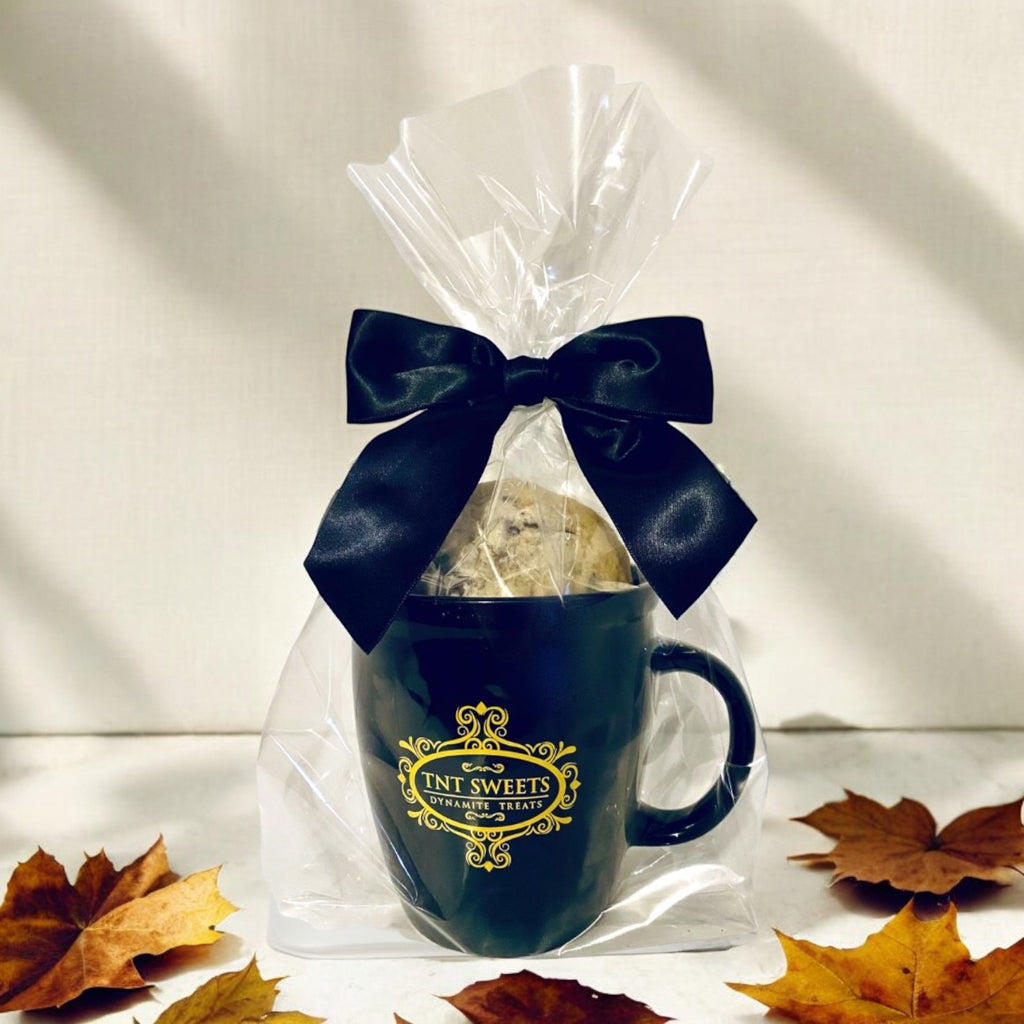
(656,826)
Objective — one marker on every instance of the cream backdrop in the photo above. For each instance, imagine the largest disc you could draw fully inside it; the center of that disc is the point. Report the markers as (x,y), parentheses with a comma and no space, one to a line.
(180,250)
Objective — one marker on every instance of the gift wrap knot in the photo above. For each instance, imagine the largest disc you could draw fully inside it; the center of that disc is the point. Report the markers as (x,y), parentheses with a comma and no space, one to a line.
(525,380)
(617,389)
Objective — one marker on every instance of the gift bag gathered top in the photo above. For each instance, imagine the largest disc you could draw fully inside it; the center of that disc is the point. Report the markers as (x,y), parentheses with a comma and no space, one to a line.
(515,722)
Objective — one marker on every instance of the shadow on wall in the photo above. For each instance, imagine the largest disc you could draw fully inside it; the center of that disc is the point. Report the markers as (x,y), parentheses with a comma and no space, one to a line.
(783,74)
(900,597)
(105,93)
(233,223)
(94,670)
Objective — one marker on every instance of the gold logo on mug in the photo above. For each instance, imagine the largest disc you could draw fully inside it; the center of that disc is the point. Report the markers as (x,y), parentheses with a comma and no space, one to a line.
(486,788)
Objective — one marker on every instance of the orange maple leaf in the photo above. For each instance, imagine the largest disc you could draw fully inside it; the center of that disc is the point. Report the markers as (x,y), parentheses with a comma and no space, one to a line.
(526,998)
(911,969)
(57,939)
(900,844)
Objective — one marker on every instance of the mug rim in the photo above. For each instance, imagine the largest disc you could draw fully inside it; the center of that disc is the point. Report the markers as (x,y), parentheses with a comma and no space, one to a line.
(548,611)
(578,597)
(638,585)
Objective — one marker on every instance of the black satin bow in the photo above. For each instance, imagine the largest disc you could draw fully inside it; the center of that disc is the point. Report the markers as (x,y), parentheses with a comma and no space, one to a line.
(616,388)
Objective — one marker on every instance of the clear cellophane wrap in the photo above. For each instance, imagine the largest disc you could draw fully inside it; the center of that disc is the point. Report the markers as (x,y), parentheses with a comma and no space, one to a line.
(526,213)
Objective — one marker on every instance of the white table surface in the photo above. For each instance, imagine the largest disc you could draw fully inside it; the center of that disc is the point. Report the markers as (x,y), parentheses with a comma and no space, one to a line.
(75,795)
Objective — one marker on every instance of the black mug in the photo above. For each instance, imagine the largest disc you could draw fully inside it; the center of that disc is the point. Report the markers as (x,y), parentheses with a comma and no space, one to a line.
(501,742)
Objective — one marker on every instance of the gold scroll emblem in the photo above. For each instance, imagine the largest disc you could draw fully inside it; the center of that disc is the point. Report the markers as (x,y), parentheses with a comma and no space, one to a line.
(486,788)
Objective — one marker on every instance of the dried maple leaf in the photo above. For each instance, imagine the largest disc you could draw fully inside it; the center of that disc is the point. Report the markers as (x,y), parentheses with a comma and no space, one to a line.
(900,844)
(57,939)
(238,997)
(910,970)
(525,998)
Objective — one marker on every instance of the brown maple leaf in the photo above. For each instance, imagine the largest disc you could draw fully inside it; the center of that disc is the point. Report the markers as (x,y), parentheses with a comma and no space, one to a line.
(57,939)
(900,844)
(910,970)
(526,998)
(237,997)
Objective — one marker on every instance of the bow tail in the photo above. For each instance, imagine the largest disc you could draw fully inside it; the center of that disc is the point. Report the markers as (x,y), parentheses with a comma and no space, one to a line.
(394,510)
(678,516)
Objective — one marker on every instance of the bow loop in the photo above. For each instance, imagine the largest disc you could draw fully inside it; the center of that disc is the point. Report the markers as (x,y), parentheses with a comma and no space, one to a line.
(398,365)
(616,388)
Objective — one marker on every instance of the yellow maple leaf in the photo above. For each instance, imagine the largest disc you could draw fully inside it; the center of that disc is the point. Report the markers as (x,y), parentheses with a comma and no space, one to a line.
(57,939)
(910,970)
(237,997)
